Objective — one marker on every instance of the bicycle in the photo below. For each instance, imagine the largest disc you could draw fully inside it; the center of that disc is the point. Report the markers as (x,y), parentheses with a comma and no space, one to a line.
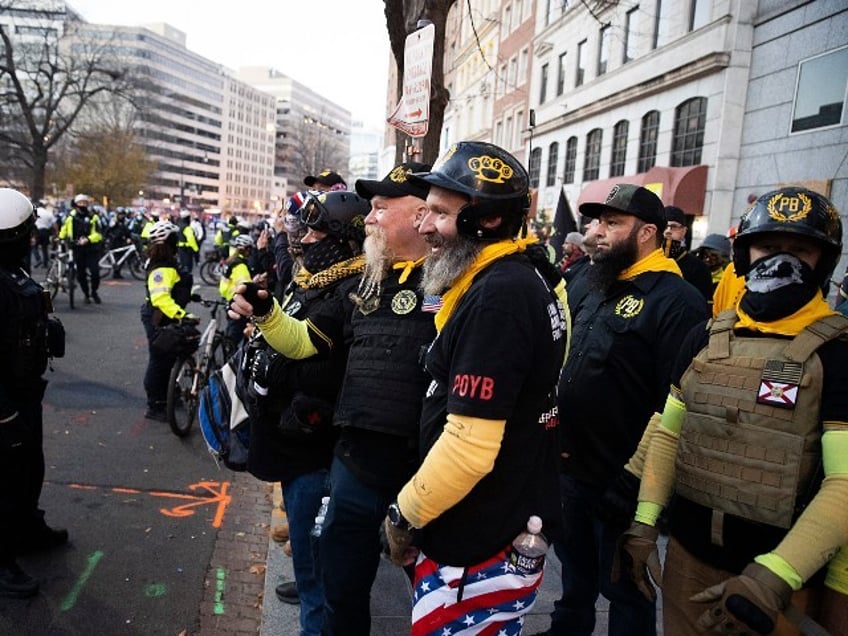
(213,267)
(191,372)
(118,256)
(61,273)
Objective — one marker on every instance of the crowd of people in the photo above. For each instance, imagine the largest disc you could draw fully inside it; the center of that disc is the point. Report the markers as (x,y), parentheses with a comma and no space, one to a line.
(424,382)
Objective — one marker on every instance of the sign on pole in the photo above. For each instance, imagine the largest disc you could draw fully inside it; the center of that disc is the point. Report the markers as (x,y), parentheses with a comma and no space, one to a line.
(412,114)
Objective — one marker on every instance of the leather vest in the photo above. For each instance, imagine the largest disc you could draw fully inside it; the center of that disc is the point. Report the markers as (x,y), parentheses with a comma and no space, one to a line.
(749,457)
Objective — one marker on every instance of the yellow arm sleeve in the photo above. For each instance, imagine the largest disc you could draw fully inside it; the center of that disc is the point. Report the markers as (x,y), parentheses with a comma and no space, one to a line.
(287,335)
(636,464)
(822,529)
(464,453)
(562,295)
(658,473)
(837,572)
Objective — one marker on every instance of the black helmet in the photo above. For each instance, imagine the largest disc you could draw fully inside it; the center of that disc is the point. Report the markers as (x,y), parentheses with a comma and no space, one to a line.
(340,213)
(792,210)
(493,179)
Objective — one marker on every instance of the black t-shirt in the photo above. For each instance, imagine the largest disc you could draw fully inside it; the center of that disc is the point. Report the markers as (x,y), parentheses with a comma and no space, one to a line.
(690,523)
(498,357)
(619,367)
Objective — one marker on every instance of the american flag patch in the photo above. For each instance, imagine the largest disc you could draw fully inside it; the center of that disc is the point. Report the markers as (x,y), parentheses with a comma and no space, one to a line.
(431,304)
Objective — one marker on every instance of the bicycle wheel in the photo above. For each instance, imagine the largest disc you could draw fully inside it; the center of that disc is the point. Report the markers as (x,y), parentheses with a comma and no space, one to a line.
(181,404)
(210,272)
(71,282)
(136,266)
(106,263)
(51,279)
(221,352)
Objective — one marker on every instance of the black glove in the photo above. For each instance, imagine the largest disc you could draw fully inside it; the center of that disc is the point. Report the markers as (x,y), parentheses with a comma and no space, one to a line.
(14,434)
(618,502)
(261,306)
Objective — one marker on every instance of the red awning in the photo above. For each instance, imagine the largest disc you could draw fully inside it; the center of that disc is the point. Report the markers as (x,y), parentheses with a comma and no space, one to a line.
(681,187)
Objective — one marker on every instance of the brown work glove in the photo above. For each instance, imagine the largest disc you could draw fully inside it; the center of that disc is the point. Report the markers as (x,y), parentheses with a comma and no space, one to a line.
(637,551)
(746,604)
(399,540)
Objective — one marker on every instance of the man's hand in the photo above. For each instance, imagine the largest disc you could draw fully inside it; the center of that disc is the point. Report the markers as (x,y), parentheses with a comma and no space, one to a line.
(400,549)
(746,604)
(637,551)
(250,300)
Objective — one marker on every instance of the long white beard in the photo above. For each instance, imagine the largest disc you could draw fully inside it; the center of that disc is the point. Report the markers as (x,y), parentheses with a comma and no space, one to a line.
(442,268)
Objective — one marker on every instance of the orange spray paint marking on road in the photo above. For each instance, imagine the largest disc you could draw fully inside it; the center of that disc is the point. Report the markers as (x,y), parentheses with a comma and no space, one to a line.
(219,492)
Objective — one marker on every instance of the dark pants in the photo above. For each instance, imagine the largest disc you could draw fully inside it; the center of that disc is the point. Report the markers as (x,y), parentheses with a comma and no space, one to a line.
(87,262)
(303,498)
(21,478)
(186,256)
(350,551)
(586,552)
(158,368)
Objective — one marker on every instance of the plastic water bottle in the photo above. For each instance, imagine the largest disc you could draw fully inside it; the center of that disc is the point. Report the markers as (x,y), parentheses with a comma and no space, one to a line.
(529,548)
(319,518)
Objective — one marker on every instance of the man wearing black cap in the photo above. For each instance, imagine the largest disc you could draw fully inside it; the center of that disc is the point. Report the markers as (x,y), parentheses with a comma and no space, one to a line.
(675,245)
(387,325)
(626,332)
(325,181)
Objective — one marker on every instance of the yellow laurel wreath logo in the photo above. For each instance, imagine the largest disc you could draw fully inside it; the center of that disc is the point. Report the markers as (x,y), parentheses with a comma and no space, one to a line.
(628,307)
(788,209)
(398,175)
(490,169)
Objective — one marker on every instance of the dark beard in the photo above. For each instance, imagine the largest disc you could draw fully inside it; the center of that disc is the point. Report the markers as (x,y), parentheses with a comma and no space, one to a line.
(442,268)
(608,264)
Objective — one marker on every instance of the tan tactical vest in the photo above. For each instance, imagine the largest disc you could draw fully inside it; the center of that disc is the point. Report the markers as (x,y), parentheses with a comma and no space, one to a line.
(741,457)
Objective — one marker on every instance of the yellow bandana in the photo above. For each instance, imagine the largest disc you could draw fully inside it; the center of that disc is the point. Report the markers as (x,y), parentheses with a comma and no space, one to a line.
(487,256)
(407,267)
(792,325)
(656,261)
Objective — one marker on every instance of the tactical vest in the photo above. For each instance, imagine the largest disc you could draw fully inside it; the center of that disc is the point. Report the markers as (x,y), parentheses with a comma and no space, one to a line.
(24,339)
(751,442)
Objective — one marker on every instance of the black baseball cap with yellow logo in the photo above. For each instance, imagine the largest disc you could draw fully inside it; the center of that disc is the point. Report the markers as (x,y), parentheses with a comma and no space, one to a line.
(627,198)
(396,184)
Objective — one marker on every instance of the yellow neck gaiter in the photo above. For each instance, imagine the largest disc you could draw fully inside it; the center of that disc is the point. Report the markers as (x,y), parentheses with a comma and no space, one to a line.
(656,261)
(792,325)
(487,256)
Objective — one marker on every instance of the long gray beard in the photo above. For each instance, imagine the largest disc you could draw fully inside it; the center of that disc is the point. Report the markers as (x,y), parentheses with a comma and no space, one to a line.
(444,267)
(367,295)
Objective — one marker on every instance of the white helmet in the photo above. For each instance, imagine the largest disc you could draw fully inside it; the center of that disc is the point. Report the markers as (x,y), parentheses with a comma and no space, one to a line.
(81,198)
(161,230)
(242,240)
(17,216)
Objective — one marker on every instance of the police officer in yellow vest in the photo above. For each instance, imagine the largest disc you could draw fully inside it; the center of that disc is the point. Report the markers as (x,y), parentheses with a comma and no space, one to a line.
(187,244)
(236,273)
(82,230)
(753,438)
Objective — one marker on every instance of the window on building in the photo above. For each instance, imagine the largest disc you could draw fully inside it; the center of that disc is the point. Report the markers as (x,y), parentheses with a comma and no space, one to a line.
(648,141)
(631,29)
(548,6)
(662,23)
(535,166)
(581,63)
(699,13)
(592,164)
(690,119)
(513,72)
(553,158)
(570,160)
(603,49)
(499,140)
(820,91)
(561,75)
(543,84)
(507,21)
(503,80)
(516,142)
(508,133)
(619,148)
(522,65)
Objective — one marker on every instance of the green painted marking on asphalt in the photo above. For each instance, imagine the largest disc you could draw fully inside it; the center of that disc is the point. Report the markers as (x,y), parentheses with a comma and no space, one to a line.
(71,598)
(154,590)
(219,591)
